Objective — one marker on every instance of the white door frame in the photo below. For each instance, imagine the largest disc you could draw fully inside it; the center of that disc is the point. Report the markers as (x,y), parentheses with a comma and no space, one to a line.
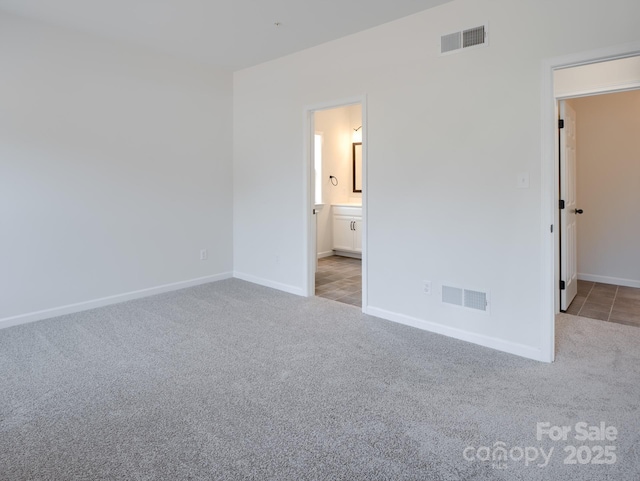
(550,179)
(308,203)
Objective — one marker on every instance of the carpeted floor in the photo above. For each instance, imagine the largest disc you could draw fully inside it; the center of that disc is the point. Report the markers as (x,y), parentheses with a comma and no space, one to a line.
(233,381)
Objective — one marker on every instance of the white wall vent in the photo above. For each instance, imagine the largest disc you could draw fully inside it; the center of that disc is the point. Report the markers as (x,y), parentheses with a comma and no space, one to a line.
(464,39)
(475,300)
(452,295)
(469,298)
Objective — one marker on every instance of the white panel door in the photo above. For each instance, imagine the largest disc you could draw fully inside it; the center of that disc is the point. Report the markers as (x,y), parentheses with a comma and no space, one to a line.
(568,215)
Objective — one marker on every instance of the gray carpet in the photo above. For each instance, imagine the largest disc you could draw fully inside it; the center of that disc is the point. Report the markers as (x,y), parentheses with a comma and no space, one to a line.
(232,381)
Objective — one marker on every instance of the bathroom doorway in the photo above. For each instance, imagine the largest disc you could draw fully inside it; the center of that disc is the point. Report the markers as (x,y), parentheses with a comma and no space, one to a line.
(338,188)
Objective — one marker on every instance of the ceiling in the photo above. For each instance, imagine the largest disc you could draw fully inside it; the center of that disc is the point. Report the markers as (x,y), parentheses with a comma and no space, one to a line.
(231,34)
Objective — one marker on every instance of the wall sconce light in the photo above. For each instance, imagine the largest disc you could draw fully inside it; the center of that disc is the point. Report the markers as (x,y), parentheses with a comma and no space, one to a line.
(357,135)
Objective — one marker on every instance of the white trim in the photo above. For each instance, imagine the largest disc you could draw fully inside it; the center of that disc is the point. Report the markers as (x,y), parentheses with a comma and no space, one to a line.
(269,283)
(616,281)
(105,301)
(549,181)
(365,203)
(494,343)
(309,240)
(609,89)
(325,254)
(354,255)
(309,236)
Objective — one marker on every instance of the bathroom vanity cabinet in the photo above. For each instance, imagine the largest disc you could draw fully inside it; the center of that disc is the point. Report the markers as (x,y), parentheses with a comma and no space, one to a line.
(347,229)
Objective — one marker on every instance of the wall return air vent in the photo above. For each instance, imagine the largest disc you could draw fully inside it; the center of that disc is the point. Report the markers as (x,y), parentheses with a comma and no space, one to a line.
(464,39)
(471,299)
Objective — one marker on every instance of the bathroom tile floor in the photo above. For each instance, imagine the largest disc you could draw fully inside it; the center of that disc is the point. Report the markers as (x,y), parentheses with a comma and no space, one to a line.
(340,279)
(607,302)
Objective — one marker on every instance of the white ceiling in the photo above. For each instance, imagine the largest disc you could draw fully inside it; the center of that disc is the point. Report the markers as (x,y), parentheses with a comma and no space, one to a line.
(227,33)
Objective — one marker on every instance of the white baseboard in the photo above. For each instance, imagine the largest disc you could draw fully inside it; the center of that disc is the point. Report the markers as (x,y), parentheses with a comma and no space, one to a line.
(355,255)
(269,283)
(325,254)
(616,281)
(485,341)
(105,301)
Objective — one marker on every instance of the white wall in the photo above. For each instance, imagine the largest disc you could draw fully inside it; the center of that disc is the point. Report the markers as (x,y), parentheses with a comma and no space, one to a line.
(597,77)
(355,119)
(115,169)
(447,137)
(337,127)
(608,187)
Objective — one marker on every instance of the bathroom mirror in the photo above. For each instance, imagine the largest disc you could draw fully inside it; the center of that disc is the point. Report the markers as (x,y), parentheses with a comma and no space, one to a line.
(357,166)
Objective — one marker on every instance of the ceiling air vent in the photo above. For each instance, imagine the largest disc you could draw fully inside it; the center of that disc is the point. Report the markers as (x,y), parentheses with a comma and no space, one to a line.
(464,39)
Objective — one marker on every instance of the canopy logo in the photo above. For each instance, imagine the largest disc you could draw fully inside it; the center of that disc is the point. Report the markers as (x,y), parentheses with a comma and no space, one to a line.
(575,438)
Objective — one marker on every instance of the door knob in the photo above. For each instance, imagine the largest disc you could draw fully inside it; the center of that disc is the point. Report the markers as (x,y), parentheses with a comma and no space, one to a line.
(579,211)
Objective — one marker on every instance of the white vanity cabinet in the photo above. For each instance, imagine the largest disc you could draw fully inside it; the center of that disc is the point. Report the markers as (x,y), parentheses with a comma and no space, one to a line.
(347,228)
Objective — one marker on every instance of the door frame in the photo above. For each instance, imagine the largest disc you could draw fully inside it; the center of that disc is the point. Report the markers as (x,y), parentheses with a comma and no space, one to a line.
(309,238)
(550,228)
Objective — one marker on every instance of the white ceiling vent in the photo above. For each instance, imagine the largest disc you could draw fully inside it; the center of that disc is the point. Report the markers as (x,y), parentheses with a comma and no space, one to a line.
(469,298)
(464,39)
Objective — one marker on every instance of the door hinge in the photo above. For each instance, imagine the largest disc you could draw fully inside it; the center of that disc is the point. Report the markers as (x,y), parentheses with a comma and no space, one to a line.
(563,286)
(552,228)
(562,204)
(561,124)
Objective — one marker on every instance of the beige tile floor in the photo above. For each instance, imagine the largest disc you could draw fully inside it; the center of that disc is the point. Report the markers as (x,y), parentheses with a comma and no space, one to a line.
(607,302)
(340,279)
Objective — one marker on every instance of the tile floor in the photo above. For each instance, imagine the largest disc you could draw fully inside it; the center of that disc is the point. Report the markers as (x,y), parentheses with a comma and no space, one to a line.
(607,302)
(340,279)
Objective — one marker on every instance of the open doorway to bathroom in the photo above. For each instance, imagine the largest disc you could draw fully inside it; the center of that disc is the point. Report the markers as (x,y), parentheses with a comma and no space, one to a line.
(337,182)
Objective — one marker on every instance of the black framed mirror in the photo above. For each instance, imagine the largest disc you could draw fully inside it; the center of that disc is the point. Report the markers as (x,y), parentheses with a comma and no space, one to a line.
(357,166)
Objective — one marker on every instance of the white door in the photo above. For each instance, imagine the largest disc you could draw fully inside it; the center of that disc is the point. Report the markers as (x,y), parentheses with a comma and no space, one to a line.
(315,191)
(568,214)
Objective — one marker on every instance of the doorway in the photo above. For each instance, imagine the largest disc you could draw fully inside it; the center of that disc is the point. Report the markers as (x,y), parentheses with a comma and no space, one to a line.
(600,151)
(336,200)
(553,90)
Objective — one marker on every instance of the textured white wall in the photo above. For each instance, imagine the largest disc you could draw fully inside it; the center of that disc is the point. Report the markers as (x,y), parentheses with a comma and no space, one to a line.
(608,188)
(115,168)
(447,137)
